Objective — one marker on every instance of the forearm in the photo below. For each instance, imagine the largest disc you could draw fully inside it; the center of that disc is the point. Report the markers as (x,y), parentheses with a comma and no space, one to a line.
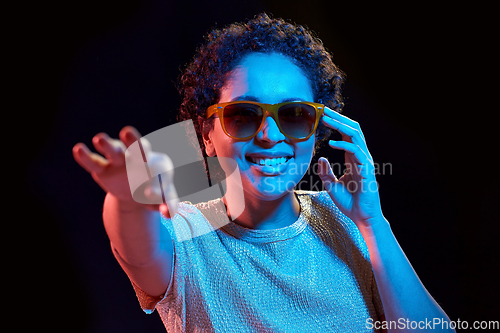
(402,293)
(135,232)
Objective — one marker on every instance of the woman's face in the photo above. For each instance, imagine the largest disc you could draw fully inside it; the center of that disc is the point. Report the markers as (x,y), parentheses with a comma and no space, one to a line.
(265,78)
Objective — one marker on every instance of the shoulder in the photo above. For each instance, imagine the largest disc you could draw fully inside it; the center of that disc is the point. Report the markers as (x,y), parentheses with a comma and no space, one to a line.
(187,224)
(193,220)
(320,203)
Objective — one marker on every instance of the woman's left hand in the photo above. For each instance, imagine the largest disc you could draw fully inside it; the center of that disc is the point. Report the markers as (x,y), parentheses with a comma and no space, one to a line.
(356,192)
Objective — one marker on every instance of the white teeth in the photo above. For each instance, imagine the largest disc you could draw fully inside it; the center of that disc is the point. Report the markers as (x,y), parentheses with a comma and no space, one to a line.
(269,161)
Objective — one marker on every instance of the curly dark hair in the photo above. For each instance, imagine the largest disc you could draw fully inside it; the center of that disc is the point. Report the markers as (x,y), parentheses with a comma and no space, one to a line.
(203,78)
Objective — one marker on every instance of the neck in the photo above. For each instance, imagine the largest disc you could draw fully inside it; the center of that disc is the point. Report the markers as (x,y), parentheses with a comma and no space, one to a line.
(264,215)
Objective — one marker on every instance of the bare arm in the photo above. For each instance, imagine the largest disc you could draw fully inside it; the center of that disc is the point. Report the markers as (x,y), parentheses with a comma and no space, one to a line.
(141,244)
(403,294)
(356,194)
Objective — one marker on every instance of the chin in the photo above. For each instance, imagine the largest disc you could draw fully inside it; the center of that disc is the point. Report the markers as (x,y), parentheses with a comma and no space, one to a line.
(273,188)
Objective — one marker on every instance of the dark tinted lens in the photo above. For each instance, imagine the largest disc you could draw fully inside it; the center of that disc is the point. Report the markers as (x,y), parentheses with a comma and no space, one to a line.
(297,120)
(242,120)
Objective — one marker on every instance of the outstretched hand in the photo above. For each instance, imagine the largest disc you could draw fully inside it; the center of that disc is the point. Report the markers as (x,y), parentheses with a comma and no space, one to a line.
(356,192)
(110,172)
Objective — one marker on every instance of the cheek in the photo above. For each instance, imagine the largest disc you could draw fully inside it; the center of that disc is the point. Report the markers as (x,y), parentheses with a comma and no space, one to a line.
(305,150)
(226,147)
(304,154)
(218,139)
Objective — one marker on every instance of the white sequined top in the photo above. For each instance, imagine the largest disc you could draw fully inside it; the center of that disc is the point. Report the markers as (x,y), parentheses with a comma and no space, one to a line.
(312,276)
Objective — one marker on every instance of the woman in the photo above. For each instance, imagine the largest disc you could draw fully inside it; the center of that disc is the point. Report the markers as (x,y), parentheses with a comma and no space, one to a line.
(264,94)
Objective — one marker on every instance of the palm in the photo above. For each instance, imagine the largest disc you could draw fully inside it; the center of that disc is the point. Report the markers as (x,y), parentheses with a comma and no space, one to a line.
(113,179)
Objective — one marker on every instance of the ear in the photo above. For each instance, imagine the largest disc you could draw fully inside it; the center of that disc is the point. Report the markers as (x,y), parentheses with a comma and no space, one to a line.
(207,133)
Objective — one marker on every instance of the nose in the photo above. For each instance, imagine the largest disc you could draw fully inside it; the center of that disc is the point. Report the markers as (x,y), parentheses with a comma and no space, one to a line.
(270,132)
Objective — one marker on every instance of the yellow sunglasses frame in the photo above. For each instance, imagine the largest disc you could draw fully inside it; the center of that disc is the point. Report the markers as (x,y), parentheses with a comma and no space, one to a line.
(269,110)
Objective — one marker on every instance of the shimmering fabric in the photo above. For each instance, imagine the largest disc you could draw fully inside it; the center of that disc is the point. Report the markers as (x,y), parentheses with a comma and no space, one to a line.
(312,276)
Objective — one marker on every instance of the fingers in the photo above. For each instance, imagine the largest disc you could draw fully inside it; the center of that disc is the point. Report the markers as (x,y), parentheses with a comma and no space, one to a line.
(326,173)
(359,156)
(171,199)
(113,150)
(91,162)
(325,170)
(165,211)
(353,134)
(344,120)
(347,127)
(129,135)
(168,210)
(162,191)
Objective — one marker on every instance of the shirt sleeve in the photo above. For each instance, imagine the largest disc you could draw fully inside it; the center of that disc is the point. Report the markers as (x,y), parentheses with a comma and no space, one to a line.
(147,302)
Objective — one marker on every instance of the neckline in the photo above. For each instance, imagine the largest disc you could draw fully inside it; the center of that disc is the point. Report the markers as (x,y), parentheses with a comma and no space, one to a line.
(263,236)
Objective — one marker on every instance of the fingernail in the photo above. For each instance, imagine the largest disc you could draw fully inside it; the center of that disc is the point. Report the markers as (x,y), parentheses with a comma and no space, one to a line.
(332,142)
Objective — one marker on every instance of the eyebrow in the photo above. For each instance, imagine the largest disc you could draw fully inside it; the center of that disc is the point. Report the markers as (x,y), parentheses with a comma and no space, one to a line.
(255,99)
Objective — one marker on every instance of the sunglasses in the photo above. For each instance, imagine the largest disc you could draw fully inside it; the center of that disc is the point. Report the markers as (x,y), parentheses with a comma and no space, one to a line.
(242,120)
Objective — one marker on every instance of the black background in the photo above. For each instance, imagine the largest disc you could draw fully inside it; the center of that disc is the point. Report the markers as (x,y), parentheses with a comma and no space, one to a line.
(417,82)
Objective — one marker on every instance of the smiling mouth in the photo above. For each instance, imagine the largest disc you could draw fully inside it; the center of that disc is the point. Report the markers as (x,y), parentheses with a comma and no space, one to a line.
(269,161)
